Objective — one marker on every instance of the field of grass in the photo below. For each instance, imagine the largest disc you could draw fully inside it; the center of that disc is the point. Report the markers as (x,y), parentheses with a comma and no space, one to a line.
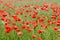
(30,20)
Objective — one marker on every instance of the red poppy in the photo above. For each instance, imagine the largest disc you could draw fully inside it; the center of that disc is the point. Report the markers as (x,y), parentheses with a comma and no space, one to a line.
(56,28)
(19,33)
(3,13)
(58,24)
(27,23)
(41,20)
(28,11)
(33,16)
(23,26)
(3,18)
(16,28)
(40,31)
(54,16)
(34,36)
(21,13)
(29,30)
(39,38)
(8,28)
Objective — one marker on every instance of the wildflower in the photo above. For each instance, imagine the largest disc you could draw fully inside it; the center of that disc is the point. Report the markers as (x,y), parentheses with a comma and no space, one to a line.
(16,28)
(56,28)
(23,26)
(8,28)
(34,36)
(19,33)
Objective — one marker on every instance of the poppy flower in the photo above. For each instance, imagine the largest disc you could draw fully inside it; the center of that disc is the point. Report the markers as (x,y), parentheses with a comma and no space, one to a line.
(8,21)
(54,16)
(45,26)
(3,18)
(35,13)
(57,24)
(40,31)
(34,36)
(33,16)
(46,5)
(28,11)
(8,29)
(41,20)
(9,5)
(14,17)
(22,22)
(55,8)
(23,26)
(3,13)
(58,20)
(17,12)
(18,19)
(36,7)
(27,27)
(16,28)
(27,23)
(21,13)
(41,8)
(49,21)
(56,28)
(29,30)
(19,33)
(39,38)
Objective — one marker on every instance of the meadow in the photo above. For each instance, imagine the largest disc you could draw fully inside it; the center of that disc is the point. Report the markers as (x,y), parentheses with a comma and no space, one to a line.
(29,19)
